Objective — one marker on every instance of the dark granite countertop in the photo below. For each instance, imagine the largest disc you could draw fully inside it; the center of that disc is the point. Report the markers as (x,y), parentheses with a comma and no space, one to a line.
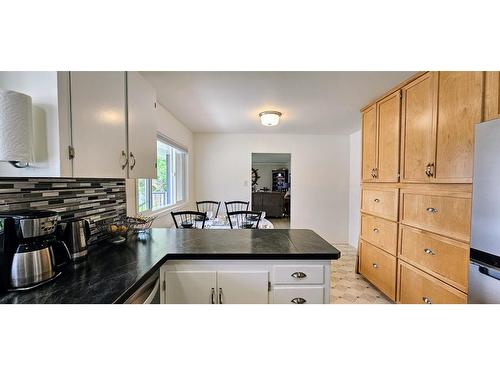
(112,273)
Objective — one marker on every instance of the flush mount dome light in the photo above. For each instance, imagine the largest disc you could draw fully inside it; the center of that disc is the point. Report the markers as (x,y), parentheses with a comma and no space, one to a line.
(270,118)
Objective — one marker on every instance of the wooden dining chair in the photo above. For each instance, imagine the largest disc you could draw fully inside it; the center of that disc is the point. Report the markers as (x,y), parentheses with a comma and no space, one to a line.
(232,206)
(182,219)
(237,219)
(205,206)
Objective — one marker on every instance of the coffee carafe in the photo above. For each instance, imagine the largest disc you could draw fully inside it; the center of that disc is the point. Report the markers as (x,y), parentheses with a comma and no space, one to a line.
(30,253)
(75,234)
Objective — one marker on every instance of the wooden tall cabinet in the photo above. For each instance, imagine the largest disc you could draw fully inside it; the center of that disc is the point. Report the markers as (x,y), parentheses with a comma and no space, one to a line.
(380,138)
(415,230)
(492,96)
(460,99)
(418,139)
(369,143)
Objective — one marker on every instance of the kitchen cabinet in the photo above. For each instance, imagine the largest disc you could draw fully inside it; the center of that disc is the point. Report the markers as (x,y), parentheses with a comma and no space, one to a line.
(98,124)
(460,98)
(190,287)
(492,96)
(141,99)
(242,287)
(418,128)
(369,143)
(440,110)
(380,140)
(113,125)
(388,124)
(216,287)
(248,281)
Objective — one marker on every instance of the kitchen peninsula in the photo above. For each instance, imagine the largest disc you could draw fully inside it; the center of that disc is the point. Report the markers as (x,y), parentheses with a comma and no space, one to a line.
(199,266)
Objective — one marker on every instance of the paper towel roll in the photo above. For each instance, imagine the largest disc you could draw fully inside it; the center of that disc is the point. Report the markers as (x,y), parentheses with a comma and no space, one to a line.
(16,127)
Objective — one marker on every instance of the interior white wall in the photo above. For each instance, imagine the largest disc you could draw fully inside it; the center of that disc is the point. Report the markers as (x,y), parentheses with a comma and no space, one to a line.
(172,128)
(354,187)
(265,171)
(43,89)
(320,164)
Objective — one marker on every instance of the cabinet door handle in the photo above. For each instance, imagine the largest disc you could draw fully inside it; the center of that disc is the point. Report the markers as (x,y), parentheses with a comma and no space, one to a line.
(428,169)
(376,172)
(299,275)
(124,157)
(431,170)
(429,251)
(220,296)
(376,230)
(432,210)
(427,300)
(133,161)
(374,265)
(376,200)
(212,294)
(298,300)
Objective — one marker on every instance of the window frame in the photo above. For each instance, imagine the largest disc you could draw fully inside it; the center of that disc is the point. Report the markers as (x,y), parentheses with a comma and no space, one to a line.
(173,182)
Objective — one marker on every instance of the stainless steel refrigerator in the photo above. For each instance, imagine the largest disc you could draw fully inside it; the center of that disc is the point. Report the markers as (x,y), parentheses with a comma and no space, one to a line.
(484,268)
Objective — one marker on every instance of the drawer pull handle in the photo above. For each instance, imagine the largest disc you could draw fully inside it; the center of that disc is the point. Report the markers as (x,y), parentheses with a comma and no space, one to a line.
(375,265)
(376,200)
(432,210)
(376,230)
(298,300)
(429,251)
(299,275)
(427,300)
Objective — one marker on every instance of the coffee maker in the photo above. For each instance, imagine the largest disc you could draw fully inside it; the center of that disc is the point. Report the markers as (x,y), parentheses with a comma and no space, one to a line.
(30,253)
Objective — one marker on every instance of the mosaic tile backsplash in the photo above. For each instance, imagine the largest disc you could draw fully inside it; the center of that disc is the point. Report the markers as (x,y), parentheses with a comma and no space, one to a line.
(100,201)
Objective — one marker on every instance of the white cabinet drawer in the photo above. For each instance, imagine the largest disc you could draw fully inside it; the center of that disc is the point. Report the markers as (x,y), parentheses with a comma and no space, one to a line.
(299,294)
(299,274)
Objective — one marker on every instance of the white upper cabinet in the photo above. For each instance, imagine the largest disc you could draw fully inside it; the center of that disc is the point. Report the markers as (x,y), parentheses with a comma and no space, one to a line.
(98,124)
(141,127)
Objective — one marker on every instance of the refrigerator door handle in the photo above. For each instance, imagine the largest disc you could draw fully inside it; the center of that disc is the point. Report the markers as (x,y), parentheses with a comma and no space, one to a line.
(489,272)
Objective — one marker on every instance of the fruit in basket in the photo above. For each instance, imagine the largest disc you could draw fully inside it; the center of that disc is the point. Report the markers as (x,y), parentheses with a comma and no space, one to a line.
(113,228)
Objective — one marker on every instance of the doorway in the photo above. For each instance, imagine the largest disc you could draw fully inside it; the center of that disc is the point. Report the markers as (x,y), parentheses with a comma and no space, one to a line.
(271,187)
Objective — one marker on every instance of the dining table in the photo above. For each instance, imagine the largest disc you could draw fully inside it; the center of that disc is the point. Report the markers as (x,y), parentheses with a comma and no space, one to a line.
(223,223)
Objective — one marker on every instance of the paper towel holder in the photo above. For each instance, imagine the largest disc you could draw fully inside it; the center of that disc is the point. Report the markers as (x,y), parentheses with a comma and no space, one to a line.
(17,124)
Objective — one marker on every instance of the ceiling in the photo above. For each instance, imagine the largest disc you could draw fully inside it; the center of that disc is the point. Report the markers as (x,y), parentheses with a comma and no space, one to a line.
(311,102)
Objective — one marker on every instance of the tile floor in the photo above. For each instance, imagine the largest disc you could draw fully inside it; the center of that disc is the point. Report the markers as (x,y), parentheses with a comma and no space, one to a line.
(347,285)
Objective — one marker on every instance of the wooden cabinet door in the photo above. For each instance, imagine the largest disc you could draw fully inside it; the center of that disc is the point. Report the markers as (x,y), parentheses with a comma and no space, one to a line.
(388,119)
(141,127)
(242,287)
(191,287)
(492,96)
(460,98)
(418,144)
(98,124)
(369,143)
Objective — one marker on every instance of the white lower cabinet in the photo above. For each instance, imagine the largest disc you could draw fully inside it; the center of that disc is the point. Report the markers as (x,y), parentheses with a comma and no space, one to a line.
(190,286)
(299,294)
(243,287)
(244,282)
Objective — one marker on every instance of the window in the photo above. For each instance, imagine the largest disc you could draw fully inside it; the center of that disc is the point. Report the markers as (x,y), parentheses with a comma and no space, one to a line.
(169,187)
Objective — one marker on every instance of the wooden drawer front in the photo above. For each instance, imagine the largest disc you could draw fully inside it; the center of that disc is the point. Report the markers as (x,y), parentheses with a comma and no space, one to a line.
(446,215)
(379,268)
(446,258)
(380,232)
(416,286)
(299,274)
(299,294)
(380,202)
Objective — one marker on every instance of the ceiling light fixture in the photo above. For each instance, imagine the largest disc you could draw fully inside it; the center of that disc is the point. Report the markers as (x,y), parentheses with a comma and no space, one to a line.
(270,118)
